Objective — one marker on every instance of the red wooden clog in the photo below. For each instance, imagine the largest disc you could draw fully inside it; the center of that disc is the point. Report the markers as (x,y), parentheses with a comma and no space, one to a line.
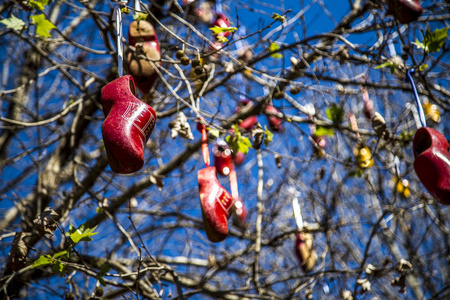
(128,124)
(216,204)
(405,11)
(432,163)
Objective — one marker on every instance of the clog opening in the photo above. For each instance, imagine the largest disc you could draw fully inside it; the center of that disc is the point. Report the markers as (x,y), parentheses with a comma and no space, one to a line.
(422,142)
(132,88)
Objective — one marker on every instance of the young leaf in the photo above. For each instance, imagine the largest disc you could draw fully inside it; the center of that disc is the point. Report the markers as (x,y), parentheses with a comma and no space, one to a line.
(13,23)
(214,132)
(237,142)
(278,17)
(140,17)
(335,113)
(222,39)
(58,267)
(82,233)
(423,67)
(38,4)
(42,261)
(274,47)
(43,26)
(216,29)
(389,64)
(432,42)
(321,131)
(268,136)
(103,270)
(59,254)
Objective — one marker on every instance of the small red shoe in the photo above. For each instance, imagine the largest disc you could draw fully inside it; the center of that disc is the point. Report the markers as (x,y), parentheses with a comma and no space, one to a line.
(405,11)
(128,124)
(274,122)
(140,32)
(304,251)
(238,158)
(143,34)
(216,205)
(321,141)
(432,163)
(249,122)
(223,159)
(223,22)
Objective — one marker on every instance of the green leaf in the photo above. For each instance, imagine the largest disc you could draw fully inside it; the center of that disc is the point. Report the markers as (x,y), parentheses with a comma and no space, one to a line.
(356,173)
(389,64)
(335,113)
(42,261)
(140,16)
(103,270)
(274,47)
(321,131)
(222,39)
(13,23)
(278,17)
(59,254)
(214,132)
(216,29)
(419,45)
(82,233)
(423,67)
(268,136)
(433,41)
(125,10)
(43,26)
(237,142)
(38,4)
(58,267)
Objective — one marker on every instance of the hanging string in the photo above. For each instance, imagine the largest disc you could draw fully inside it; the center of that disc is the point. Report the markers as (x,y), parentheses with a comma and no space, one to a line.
(391,48)
(397,166)
(416,96)
(117,16)
(219,6)
(137,6)
(240,47)
(297,212)
(354,124)
(205,150)
(234,185)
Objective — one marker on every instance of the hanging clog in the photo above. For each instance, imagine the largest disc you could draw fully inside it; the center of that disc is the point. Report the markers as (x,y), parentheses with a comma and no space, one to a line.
(305,252)
(142,35)
(405,11)
(249,122)
(223,159)
(238,158)
(128,124)
(432,163)
(223,22)
(216,204)
(321,141)
(274,122)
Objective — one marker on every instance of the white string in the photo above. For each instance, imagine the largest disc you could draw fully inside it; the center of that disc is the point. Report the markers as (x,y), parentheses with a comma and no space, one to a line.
(416,97)
(391,48)
(137,6)
(117,16)
(297,213)
(219,6)
(296,207)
